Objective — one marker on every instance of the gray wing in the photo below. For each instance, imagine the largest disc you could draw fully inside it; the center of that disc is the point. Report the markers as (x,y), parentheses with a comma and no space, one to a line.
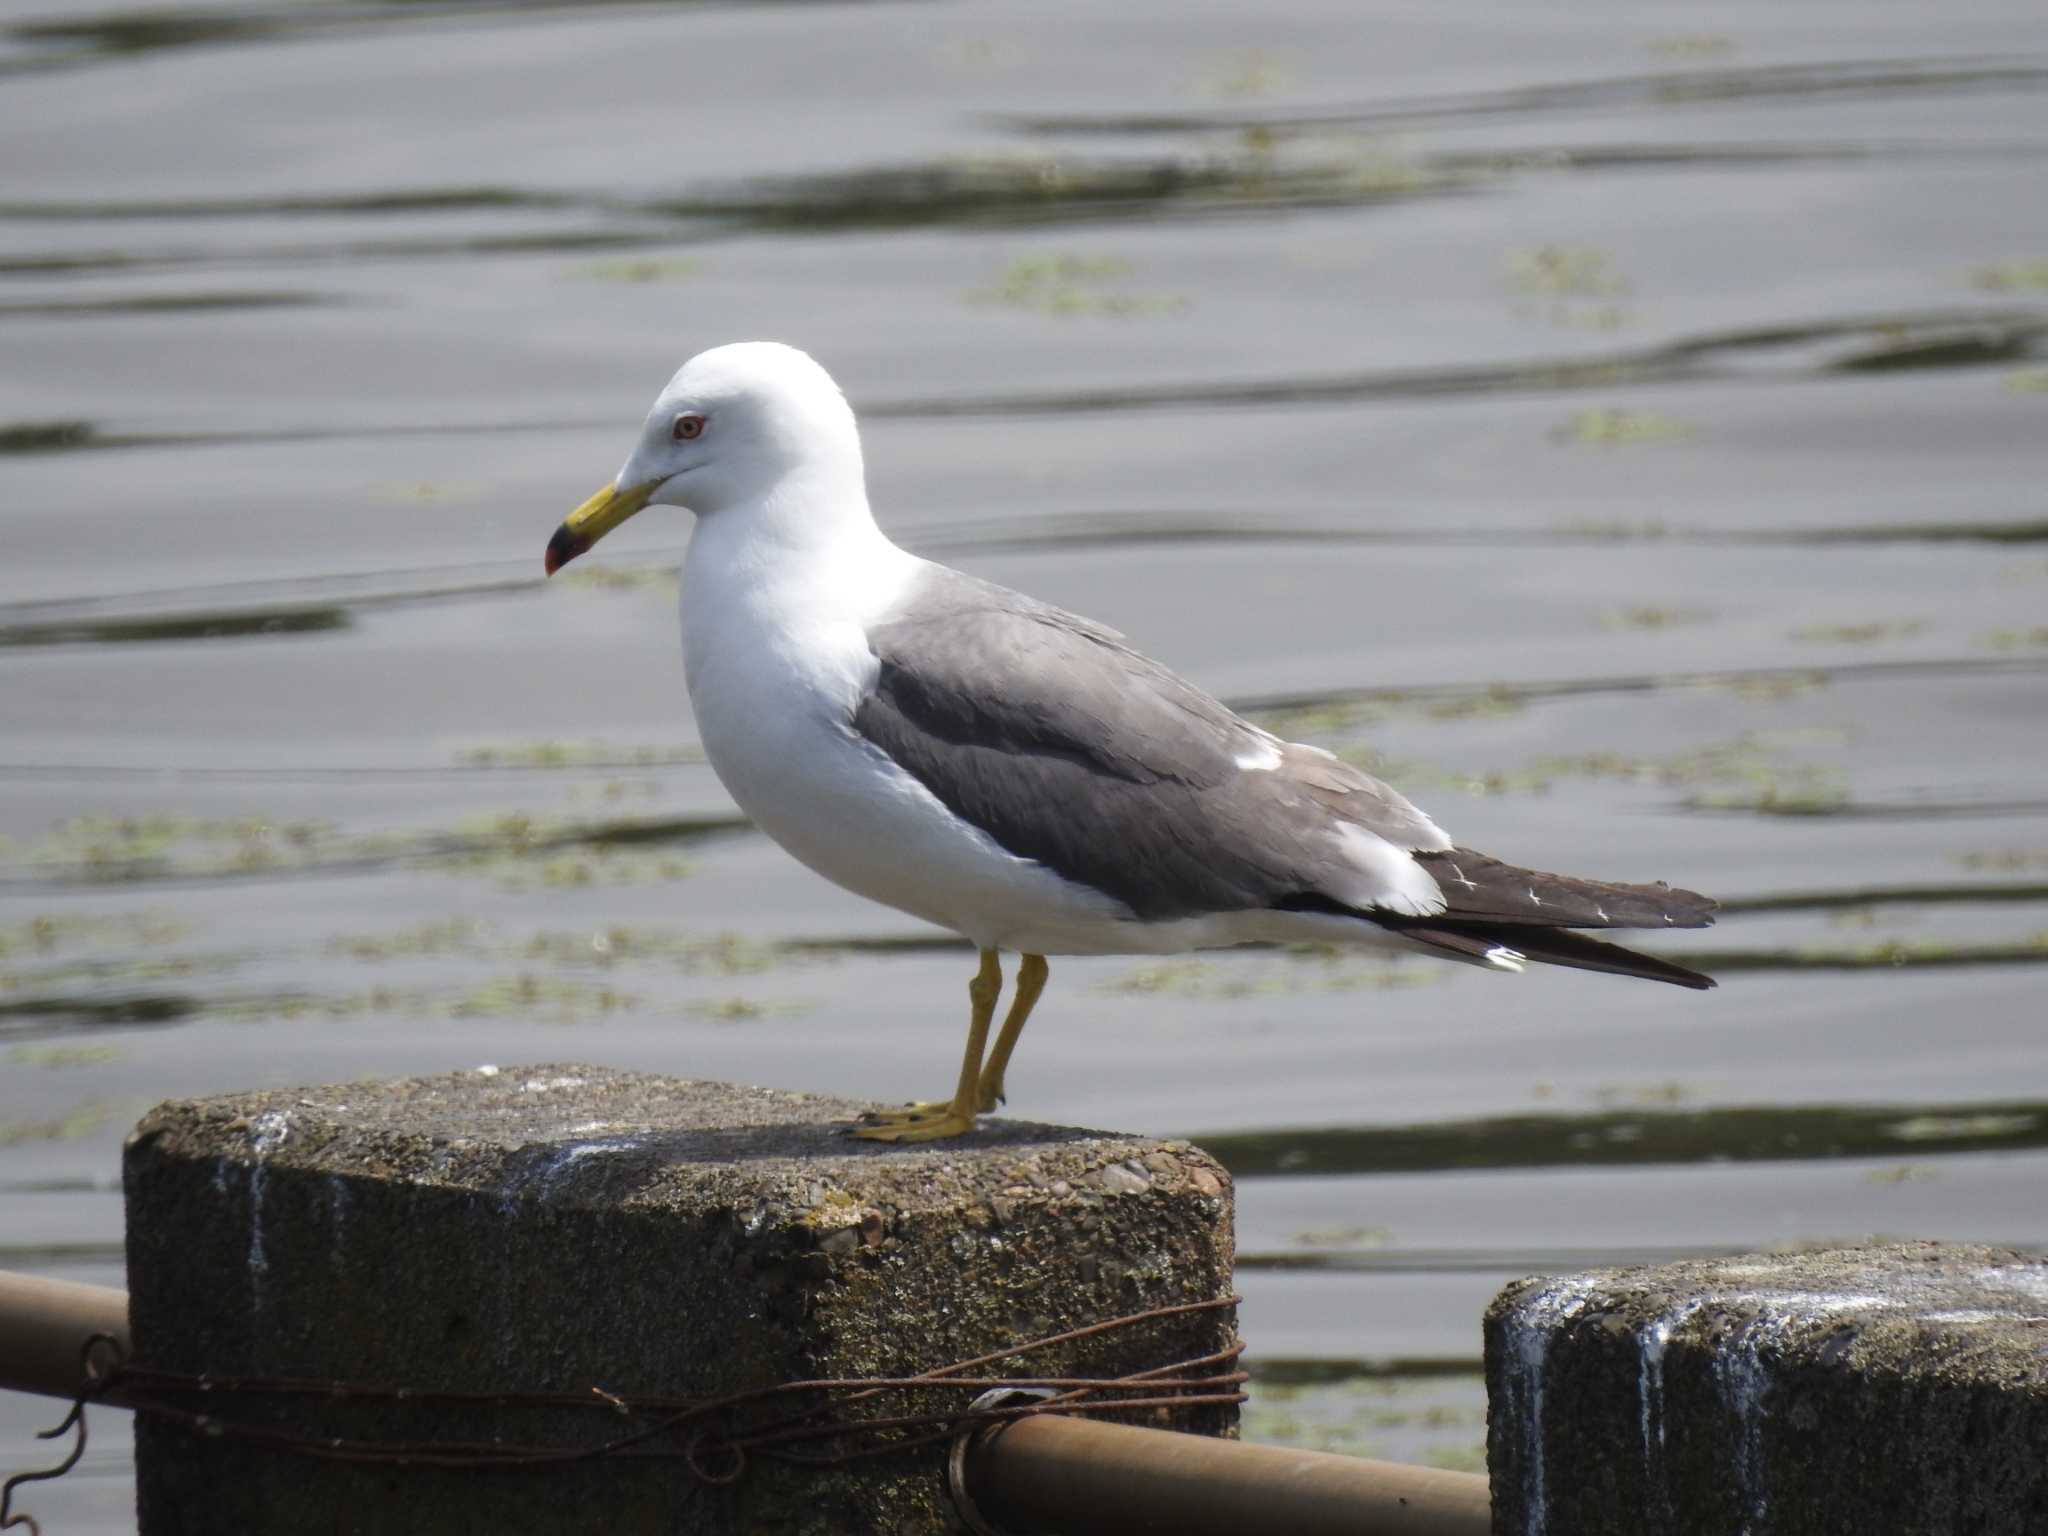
(1070,748)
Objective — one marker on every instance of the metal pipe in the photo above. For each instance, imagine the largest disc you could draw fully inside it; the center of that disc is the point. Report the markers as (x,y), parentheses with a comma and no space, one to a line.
(44,1324)
(1047,1472)
(1084,1478)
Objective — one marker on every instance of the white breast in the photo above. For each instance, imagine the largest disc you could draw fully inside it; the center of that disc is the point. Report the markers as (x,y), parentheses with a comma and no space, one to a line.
(776,667)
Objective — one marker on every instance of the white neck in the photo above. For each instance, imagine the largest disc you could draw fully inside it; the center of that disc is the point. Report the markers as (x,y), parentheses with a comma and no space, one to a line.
(801,574)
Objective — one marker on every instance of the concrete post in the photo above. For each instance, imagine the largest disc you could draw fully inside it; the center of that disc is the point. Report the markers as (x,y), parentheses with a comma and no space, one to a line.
(568,1228)
(1869,1390)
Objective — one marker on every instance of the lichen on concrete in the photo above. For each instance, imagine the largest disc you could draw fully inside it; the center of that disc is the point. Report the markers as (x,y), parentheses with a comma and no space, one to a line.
(562,1228)
(1898,1388)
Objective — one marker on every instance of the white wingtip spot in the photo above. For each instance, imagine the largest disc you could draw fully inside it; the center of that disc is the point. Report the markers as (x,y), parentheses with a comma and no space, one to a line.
(1500,957)
(1261,756)
(1385,876)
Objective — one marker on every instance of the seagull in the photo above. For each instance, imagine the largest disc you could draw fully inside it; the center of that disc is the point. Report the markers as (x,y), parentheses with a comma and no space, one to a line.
(1018,774)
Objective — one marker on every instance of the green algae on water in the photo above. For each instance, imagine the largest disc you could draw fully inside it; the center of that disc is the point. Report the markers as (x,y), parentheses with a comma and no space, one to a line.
(74,1124)
(1874,632)
(63,1057)
(640,269)
(620,578)
(1069,286)
(1301,969)
(1608,427)
(578,755)
(518,849)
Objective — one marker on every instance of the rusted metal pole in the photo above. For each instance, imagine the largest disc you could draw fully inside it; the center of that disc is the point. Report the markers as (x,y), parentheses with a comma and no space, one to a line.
(1072,1475)
(44,1325)
(1081,1478)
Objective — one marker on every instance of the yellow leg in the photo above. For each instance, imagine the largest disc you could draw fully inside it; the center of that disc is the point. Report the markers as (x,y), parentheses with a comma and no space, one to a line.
(906,1113)
(1030,982)
(957,1118)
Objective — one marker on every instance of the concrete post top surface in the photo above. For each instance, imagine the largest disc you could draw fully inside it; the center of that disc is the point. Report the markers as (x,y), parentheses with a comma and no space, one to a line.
(1884,1302)
(499,1241)
(574,1134)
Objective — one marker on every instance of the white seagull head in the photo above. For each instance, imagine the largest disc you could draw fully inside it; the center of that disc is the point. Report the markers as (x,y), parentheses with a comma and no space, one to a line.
(755,428)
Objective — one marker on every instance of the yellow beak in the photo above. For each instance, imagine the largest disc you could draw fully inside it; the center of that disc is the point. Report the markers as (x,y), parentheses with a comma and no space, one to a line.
(593,520)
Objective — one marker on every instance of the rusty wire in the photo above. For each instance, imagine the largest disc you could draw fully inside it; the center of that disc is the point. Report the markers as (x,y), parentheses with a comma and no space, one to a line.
(711,1437)
(100,1359)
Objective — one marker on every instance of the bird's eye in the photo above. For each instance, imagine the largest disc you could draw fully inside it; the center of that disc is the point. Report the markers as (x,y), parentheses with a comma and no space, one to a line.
(688,428)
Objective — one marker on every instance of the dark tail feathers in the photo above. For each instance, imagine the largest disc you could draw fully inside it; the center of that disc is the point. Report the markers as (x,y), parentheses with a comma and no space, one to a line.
(1547,946)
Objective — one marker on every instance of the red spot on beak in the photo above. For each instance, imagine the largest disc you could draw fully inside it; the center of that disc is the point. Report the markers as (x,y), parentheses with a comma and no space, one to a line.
(565,546)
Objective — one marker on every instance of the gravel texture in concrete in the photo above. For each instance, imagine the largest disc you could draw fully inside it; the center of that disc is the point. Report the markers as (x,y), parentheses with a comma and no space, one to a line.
(565,1228)
(1860,1390)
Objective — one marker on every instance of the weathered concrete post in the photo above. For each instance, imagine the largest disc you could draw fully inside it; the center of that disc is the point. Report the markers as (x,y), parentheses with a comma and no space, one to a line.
(1869,1390)
(569,1229)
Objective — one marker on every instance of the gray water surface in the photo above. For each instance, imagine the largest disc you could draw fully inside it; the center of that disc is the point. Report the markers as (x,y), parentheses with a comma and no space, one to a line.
(1626,430)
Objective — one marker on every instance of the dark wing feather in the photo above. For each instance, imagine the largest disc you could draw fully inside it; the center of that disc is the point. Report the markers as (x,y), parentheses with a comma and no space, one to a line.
(1550,946)
(1491,905)
(1070,748)
(1483,889)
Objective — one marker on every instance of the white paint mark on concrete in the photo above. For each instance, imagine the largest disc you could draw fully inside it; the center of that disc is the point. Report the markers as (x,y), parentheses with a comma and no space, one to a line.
(337,1216)
(1806,1306)
(1745,1385)
(542,1178)
(1744,1375)
(1656,1338)
(573,1155)
(268,1132)
(1529,1332)
(2031,1282)
(1654,1341)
